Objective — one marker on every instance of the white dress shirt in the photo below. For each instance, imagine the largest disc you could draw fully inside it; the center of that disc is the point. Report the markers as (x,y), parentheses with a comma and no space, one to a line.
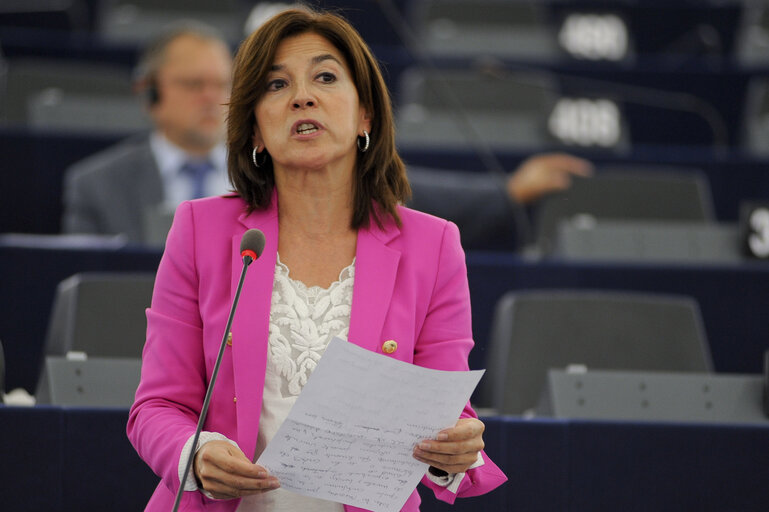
(177,185)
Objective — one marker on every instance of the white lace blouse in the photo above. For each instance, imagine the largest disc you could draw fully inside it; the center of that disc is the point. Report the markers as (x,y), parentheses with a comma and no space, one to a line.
(302,323)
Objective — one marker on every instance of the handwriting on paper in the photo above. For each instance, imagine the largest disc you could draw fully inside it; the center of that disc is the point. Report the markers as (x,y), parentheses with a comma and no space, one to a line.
(351,433)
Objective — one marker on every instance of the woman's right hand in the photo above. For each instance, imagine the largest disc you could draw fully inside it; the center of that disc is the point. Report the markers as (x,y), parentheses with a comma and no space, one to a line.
(223,470)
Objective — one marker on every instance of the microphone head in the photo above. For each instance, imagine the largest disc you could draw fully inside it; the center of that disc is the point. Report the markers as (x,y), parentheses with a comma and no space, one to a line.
(252,244)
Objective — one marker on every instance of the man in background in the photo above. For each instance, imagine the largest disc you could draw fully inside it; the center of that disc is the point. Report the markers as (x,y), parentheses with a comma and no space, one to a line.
(184,78)
(491,210)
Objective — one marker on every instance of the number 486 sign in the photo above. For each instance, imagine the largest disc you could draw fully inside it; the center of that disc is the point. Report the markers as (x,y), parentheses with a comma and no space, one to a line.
(754,221)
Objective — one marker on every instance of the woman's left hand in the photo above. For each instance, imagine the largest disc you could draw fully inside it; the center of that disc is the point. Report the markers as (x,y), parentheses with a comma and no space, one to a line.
(455,449)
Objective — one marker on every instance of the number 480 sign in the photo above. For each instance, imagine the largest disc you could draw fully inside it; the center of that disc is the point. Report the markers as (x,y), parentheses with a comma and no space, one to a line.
(754,221)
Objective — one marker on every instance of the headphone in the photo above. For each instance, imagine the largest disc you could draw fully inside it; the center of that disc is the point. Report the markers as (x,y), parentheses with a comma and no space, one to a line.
(145,73)
(146,85)
(151,92)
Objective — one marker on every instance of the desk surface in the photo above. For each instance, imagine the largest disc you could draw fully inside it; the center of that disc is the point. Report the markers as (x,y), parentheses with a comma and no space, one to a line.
(85,462)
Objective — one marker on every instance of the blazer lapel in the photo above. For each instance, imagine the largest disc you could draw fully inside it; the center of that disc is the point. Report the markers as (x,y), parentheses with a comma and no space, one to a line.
(376,266)
(250,326)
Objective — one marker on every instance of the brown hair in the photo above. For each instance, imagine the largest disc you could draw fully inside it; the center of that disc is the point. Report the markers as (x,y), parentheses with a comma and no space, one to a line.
(380,179)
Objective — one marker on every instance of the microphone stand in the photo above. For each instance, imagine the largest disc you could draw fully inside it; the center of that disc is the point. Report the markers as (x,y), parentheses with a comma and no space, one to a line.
(247,259)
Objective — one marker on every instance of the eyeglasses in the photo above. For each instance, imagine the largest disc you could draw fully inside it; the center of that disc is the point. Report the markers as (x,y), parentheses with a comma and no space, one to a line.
(198,85)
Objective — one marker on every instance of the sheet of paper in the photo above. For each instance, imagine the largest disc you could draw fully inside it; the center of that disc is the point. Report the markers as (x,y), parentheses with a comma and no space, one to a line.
(351,433)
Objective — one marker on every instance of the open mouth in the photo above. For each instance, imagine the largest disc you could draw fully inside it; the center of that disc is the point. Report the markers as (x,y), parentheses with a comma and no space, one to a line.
(306,129)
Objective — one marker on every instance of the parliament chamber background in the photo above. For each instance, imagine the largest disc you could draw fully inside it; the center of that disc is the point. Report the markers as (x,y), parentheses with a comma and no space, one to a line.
(661,86)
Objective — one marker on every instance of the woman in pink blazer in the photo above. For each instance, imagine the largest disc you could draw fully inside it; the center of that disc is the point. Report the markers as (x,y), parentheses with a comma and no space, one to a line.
(313,161)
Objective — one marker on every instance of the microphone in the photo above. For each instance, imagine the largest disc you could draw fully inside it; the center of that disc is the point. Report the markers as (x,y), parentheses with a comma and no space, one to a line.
(251,247)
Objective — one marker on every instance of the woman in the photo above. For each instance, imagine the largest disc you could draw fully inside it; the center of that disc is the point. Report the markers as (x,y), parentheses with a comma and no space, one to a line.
(312,158)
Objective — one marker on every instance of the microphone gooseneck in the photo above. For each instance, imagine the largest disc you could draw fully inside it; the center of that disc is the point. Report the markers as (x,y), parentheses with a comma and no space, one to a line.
(251,247)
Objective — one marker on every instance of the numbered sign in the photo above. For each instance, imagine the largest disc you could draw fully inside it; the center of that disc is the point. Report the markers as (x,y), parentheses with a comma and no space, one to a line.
(586,122)
(592,36)
(754,221)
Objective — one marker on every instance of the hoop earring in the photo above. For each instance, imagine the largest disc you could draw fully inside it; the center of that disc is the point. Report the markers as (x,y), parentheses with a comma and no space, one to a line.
(365,147)
(253,157)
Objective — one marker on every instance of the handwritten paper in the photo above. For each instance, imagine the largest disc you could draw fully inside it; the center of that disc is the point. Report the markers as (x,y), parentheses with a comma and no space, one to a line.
(351,433)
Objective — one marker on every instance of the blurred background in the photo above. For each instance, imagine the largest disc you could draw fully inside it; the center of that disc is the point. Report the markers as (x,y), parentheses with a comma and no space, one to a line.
(651,272)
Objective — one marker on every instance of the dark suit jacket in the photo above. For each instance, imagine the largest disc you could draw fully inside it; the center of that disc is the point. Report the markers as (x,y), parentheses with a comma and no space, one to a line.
(475,201)
(108,192)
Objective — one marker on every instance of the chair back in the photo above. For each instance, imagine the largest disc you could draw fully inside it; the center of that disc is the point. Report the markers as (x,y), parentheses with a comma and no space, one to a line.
(534,331)
(68,94)
(139,22)
(520,30)
(507,109)
(101,314)
(632,194)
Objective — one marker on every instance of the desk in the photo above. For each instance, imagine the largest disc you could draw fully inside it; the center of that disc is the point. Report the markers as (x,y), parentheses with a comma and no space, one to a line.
(59,459)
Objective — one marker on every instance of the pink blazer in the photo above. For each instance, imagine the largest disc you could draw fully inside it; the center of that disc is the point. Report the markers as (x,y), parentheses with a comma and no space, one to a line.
(410,286)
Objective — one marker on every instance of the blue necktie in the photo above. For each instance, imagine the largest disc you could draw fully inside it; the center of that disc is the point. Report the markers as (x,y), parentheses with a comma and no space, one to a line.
(198,171)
